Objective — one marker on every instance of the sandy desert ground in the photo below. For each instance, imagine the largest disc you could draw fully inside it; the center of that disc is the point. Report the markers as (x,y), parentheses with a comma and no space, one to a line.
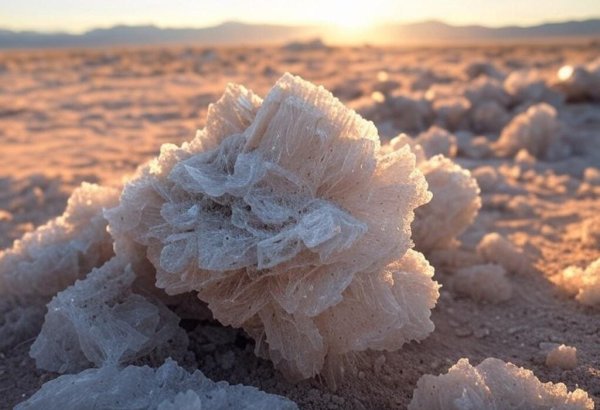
(94,115)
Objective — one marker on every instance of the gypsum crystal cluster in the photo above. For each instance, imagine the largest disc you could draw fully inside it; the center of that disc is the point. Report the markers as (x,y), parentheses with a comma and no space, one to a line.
(537,131)
(100,321)
(584,283)
(52,257)
(57,253)
(290,222)
(167,388)
(456,196)
(494,385)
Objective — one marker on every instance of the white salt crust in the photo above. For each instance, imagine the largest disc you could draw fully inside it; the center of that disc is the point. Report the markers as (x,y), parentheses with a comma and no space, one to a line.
(494,385)
(167,388)
(455,198)
(494,248)
(537,131)
(100,321)
(485,283)
(584,284)
(53,256)
(452,209)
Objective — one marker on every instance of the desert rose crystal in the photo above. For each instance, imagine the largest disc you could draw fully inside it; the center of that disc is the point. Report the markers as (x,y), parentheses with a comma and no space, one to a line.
(290,222)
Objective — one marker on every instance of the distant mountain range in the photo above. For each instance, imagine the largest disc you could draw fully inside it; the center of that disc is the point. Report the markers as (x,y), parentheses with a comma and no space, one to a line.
(438,30)
(236,33)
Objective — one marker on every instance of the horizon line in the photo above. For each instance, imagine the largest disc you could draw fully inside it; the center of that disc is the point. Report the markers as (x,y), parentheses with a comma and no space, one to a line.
(308,24)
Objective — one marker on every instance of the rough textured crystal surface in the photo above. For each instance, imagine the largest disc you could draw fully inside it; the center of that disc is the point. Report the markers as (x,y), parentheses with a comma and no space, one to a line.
(455,201)
(290,221)
(100,321)
(53,256)
(488,283)
(165,388)
(453,208)
(536,130)
(583,283)
(494,385)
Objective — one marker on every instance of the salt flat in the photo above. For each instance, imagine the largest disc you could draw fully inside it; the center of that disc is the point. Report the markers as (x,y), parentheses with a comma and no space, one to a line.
(69,116)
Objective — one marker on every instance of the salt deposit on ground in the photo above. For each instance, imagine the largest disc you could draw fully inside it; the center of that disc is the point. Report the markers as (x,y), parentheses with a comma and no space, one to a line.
(497,249)
(483,283)
(167,388)
(493,385)
(564,357)
(583,283)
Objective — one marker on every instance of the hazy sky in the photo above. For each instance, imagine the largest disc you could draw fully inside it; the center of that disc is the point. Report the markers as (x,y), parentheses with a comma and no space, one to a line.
(79,15)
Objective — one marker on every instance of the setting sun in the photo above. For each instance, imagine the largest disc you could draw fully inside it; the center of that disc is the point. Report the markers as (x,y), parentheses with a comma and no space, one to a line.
(355,16)
(343,16)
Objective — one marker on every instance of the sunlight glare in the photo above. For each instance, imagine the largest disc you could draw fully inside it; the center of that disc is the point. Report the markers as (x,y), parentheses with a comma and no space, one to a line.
(347,15)
(565,72)
(350,18)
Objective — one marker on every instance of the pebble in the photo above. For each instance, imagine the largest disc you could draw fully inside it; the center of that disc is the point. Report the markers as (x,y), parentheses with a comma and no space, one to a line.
(378,364)
(358,405)
(463,332)
(481,332)
(313,394)
(337,399)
